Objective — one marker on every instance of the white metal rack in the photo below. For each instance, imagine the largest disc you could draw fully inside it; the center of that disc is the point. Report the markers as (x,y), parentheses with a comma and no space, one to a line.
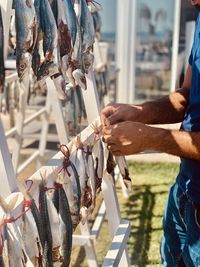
(119,229)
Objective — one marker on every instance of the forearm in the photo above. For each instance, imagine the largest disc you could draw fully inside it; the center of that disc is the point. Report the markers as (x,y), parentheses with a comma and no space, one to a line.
(180,143)
(170,109)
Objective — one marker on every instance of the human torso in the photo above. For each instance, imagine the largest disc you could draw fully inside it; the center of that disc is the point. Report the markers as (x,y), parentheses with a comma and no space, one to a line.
(189,175)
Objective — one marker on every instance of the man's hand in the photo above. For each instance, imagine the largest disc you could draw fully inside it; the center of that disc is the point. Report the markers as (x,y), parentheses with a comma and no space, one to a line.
(127,138)
(116,112)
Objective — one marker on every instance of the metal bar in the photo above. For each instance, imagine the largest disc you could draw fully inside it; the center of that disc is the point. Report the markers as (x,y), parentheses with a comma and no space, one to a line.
(118,245)
(27,162)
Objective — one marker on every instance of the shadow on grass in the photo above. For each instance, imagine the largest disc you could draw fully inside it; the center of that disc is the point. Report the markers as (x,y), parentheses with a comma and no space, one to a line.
(140,237)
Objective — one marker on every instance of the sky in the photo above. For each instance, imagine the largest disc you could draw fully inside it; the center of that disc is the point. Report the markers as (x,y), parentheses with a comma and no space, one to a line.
(108,13)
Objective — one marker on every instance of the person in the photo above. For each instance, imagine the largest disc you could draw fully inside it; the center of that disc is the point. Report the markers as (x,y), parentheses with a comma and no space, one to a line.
(126,131)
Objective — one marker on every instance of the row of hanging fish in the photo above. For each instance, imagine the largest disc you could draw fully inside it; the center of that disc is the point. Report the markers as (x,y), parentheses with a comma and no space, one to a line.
(55,39)
(53,205)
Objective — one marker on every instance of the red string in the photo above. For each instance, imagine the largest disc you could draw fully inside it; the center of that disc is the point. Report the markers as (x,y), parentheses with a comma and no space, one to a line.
(26,204)
(29,188)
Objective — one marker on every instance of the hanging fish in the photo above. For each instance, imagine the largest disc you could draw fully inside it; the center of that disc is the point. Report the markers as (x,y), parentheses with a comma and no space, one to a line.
(48,243)
(91,182)
(75,73)
(36,60)
(26,36)
(88,34)
(65,34)
(66,228)
(71,185)
(98,154)
(49,67)
(2,67)
(123,168)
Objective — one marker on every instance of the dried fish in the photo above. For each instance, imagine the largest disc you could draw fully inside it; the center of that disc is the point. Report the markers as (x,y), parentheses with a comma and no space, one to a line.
(26,36)
(88,34)
(91,183)
(48,243)
(71,185)
(66,228)
(2,67)
(121,162)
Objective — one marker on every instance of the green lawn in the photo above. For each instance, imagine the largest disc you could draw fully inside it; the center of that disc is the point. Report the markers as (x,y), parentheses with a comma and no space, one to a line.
(144,209)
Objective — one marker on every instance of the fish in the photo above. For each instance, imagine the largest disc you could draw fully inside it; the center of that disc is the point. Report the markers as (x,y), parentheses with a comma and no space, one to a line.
(31,237)
(36,59)
(48,243)
(49,67)
(49,29)
(88,35)
(54,220)
(66,228)
(71,185)
(2,264)
(54,7)
(123,168)
(2,65)
(15,247)
(26,36)
(91,183)
(75,73)
(98,155)
(78,158)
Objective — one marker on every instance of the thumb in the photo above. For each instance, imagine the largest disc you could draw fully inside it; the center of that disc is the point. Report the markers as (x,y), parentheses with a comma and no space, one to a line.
(114,118)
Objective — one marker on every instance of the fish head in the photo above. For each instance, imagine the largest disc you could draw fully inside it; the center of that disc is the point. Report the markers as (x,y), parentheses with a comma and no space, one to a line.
(23,65)
(47,69)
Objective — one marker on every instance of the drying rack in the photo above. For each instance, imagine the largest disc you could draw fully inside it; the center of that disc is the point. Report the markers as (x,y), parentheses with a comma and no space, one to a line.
(119,229)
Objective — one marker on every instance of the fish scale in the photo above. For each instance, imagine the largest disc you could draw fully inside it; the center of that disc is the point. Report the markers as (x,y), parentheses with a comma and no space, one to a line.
(66,228)
(26,35)
(47,254)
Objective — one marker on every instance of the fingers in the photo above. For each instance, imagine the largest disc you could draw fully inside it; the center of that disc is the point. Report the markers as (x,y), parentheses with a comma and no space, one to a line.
(106,113)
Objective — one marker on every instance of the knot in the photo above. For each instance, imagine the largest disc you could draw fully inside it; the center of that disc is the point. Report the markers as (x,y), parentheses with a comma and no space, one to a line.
(27,203)
(57,186)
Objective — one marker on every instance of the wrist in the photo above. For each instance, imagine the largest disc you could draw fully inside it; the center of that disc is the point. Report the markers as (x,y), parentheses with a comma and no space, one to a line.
(157,139)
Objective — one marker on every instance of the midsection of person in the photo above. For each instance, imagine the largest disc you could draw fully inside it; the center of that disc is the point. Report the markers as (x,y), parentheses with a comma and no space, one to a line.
(189,175)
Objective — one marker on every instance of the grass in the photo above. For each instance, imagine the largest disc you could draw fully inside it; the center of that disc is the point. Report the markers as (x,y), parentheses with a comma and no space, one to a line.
(144,208)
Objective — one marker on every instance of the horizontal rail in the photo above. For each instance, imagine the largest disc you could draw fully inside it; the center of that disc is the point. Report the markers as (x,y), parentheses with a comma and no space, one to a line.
(34,116)
(81,240)
(27,162)
(11,77)
(118,245)
(98,221)
(13,130)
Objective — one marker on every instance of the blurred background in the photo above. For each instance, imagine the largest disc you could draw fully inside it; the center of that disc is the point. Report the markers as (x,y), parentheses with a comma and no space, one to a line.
(149,44)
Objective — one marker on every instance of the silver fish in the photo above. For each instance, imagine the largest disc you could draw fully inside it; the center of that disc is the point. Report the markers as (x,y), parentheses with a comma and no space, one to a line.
(75,73)
(91,183)
(66,228)
(26,35)
(2,67)
(88,35)
(121,162)
(48,244)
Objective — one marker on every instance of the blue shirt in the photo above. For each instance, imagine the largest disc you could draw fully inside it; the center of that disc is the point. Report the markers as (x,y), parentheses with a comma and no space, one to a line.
(189,175)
